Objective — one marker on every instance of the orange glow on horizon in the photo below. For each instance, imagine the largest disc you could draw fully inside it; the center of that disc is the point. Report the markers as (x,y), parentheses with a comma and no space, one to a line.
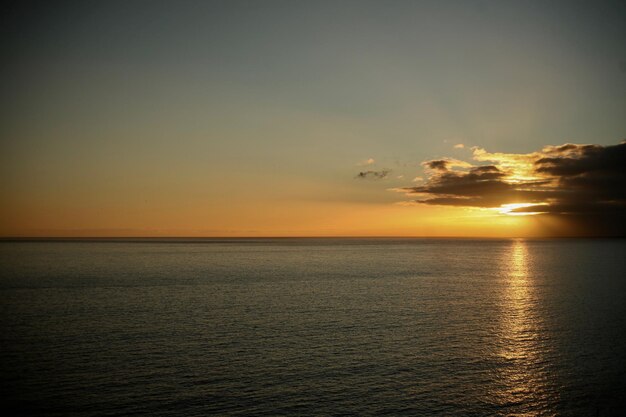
(288,219)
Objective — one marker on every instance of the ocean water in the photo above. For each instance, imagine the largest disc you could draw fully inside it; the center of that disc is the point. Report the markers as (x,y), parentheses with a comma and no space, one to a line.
(314,327)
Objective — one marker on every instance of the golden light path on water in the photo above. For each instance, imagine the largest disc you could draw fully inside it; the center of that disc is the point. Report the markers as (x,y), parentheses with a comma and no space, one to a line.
(522,380)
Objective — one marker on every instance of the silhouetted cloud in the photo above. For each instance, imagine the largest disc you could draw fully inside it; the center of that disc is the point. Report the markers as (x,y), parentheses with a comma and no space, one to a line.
(378,175)
(440,164)
(445,164)
(582,184)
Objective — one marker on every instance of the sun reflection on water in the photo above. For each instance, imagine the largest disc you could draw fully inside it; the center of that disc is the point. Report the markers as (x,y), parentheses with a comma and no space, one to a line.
(521,376)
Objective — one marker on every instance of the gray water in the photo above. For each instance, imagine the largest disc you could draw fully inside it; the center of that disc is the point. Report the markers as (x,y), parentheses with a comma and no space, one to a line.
(314,327)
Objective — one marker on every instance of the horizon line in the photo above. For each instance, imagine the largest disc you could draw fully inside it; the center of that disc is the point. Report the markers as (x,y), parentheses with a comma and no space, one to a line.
(198,238)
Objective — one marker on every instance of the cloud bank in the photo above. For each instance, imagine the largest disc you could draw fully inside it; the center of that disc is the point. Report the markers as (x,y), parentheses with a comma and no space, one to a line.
(584,185)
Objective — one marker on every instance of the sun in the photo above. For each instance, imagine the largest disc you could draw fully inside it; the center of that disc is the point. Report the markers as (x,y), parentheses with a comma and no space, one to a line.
(508,209)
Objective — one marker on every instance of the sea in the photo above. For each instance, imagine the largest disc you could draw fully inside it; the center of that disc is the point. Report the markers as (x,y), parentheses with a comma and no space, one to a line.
(313,327)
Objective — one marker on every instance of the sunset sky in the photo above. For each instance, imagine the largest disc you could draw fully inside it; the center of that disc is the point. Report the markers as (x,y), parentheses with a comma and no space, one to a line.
(294,118)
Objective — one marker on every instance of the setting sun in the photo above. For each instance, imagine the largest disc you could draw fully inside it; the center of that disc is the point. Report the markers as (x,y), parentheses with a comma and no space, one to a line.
(509,209)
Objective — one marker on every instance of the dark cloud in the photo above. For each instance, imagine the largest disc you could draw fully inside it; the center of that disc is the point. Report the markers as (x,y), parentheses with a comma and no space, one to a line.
(377,175)
(486,172)
(440,164)
(482,186)
(592,178)
(573,160)
(463,191)
(584,185)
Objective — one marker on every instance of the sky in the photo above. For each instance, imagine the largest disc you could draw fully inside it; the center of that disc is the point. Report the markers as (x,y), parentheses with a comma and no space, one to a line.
(312,118)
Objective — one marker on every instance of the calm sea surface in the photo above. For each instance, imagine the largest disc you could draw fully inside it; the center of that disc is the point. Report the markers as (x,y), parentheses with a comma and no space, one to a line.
(314,327)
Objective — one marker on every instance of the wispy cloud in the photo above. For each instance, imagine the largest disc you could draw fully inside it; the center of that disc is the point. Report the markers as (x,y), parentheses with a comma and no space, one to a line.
(376,175)
(459,146)
(366,162)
